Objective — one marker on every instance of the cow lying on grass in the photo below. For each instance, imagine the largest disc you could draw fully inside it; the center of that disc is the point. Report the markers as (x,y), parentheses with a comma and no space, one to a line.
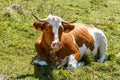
(66,43)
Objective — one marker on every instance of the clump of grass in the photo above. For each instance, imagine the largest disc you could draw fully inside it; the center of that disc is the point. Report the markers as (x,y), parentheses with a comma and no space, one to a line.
(88,58)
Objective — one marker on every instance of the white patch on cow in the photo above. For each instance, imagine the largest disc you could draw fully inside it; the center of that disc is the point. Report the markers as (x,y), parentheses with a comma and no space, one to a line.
(55,21)
(72,62)
(96,39)
(100,42)
(41,63)
(82,50)
(65,60)
(74,40)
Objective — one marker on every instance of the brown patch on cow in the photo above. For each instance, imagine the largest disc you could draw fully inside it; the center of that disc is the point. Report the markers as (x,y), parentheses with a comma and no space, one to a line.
(82,36)
(42,46)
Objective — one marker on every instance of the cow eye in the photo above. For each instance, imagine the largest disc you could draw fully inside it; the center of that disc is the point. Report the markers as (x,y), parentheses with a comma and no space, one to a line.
(46,29)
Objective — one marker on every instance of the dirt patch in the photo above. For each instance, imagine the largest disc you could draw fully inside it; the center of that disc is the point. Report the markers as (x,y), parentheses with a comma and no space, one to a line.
(2,76)
(118,55)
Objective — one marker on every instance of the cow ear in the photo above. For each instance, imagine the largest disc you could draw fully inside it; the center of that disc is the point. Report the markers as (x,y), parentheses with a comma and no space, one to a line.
(39,25)
(67,26)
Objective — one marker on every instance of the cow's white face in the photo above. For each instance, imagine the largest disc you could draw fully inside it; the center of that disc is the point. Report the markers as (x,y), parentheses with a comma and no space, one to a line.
(55,26)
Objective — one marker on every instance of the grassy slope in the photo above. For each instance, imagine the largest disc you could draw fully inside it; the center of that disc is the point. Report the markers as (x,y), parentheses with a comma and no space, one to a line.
(17,38)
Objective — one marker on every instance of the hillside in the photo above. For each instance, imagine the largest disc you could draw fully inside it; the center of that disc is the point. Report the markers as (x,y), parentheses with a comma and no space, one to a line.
(17,38)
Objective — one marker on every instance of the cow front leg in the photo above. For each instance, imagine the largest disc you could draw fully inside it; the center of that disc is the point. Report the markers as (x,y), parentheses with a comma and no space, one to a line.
(73,60)
(72,63)
(38,61)
(64,62)
(41,57)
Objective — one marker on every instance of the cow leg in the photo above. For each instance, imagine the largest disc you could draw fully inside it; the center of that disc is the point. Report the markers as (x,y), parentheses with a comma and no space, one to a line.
(102,50)
(82,51)
(41,58)
(72,63)
(73,60)
(64,62)
(38,61)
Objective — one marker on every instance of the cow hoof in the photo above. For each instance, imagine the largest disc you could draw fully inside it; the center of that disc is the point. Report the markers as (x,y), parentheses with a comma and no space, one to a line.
(71,67)
(100,61)
(41,63)
(80,64)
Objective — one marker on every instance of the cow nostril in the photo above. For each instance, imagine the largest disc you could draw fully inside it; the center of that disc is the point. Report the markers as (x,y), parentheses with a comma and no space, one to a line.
(53,44)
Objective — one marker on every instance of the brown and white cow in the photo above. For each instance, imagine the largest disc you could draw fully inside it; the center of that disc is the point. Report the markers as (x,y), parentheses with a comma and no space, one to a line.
(68,42)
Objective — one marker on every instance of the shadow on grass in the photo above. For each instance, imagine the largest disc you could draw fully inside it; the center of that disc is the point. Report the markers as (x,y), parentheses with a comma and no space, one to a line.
(43,73)
(40,73)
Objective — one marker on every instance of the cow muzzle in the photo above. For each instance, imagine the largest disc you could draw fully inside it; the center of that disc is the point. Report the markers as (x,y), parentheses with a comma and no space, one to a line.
(56,46)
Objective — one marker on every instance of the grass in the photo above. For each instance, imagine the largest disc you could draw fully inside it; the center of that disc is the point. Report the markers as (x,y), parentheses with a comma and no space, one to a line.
(17,38)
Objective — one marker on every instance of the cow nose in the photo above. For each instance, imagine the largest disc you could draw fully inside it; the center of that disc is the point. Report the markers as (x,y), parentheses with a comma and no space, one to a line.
(55,46)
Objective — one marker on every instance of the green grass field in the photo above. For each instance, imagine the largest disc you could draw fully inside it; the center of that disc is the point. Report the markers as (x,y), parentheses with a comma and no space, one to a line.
(17,38)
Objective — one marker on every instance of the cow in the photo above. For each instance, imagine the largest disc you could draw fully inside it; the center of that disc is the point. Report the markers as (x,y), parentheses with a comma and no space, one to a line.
(63,42)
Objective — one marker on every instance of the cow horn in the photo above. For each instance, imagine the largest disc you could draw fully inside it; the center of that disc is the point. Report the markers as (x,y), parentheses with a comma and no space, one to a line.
(35,17)
(73,21)
(69,22)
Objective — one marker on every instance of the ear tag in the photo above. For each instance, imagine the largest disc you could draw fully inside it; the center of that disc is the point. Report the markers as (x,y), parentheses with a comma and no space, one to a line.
(39,29)
(67,30)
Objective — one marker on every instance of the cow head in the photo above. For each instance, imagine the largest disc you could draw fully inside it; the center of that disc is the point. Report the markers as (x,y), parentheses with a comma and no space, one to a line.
(53,27)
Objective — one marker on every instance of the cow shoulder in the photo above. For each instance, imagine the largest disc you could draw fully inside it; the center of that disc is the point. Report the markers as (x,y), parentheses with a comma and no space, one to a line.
(83,36)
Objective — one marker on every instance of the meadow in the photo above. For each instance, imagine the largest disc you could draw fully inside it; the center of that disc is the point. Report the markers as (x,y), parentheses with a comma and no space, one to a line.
(17,38)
